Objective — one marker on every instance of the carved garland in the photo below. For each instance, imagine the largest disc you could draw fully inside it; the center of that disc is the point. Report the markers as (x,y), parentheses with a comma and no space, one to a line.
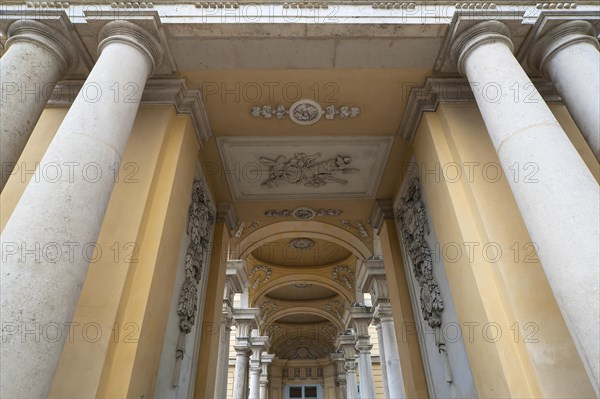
(260,268)
(414,227)
(199,228)
(343,275)
(267,307)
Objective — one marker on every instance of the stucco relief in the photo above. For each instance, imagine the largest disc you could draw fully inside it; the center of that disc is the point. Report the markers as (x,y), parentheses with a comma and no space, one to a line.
(305,112)
(262,273)
(267,307)
(336,308)
(414,226)
(306,170)
(343,275)
(199,228)
(303,213)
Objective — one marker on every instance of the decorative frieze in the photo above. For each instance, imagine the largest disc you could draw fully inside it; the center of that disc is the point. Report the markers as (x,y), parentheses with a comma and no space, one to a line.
(215,5)
(305,112)
(199,228)
(308,5)
(47,4)
(552,5)
(304,169)
(303,213)
(242,225)
(131,5)
(262,273)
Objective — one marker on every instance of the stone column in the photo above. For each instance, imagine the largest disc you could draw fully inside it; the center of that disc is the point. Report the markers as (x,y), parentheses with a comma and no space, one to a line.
(236,281)
(560,200)
(245,320)
(266,361)
(258,344)
(568,55)
(37,57)
(360,318)
(384,377)
(242,354)
(393,381)
(346,344)
(340,374)
(49,240)
(223,359)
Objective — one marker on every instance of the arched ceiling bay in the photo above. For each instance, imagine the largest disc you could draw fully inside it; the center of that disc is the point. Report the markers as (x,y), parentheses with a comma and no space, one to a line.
(301,252)
(301,292)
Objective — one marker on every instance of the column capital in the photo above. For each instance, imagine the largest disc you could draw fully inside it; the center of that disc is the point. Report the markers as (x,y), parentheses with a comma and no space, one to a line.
(359,317)
(43,35)
(236,276)
(382,210)
(134,35)
(345,343)
(557,38)
(480,33)
(246,320)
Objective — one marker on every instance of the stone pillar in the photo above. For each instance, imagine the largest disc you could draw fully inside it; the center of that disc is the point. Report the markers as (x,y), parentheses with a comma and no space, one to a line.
(372,278)
(360,318)
(49,240)
(568,55)
(340,371)
(236,281)
(560,202)
(242,354)
(37,57)
(245,320)
(266,361)
(345,343)
(258,344)
(223,360)
(382,362)
(393,380)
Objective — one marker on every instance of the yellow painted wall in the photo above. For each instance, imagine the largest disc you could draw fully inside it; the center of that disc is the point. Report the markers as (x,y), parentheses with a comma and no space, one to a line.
(40,139)
(534,356)
(125,295)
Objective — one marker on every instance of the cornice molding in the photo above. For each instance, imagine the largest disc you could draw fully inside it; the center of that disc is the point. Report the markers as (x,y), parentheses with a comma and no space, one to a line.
(438,90)
(382,209)
(157,91)
(226,213)
(45,36)
(555,29)
(56,27)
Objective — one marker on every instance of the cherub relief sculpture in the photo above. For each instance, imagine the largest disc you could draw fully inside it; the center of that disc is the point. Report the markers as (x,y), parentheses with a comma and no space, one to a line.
(304,169)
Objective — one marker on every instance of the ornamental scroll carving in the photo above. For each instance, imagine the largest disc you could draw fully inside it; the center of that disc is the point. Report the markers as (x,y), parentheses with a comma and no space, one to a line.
(343,275)
(199,228)
(262,273)
(414,226)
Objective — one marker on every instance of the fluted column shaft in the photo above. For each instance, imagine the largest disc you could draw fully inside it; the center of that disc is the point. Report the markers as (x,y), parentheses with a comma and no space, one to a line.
(37,57)
(49,240)
(568,55)
(560,202)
